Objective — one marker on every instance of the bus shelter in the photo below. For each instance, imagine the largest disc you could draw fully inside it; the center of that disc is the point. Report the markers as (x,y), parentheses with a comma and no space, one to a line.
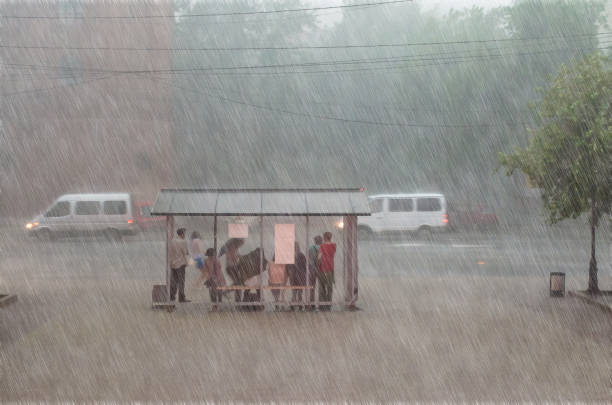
(306,203)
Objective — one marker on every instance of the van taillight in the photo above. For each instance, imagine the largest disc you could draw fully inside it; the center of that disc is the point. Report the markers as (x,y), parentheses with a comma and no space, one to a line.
(130,221)
(445,218)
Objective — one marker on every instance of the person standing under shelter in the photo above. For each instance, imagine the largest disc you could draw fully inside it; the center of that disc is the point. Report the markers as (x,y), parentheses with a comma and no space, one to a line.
(196,252)
(327,252)
(313,268)
(297,276)
(277,277)
(178,253)
(232,258)
(214,277)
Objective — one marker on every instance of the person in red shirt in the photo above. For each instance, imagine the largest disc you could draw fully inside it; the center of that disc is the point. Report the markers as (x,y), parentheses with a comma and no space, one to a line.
(327,252)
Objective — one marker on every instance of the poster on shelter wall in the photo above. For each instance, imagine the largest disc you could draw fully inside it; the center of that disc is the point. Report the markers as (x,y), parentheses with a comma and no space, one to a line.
(284,243)
(238,231)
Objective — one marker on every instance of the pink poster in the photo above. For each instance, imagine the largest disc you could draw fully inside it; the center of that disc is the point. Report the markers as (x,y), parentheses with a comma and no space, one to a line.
(284,243)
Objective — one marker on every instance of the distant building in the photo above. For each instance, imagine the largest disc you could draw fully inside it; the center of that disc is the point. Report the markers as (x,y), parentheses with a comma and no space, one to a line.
(73,120)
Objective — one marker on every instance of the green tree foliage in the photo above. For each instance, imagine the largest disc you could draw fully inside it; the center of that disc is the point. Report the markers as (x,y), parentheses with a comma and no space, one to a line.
(570,154)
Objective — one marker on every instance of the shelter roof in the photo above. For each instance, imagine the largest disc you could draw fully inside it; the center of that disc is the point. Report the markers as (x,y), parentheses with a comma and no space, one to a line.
(264,201)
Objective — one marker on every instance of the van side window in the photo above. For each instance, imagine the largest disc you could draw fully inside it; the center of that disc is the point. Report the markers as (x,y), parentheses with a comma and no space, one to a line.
(61,209)
(115,208)
(428,204)
(87,208)
(376,205)
(400,205)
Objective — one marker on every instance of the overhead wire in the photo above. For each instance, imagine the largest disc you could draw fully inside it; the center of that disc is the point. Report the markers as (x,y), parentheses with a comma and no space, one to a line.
(319,116)
(199,15)
(55,87)
(299,47)
(388,60)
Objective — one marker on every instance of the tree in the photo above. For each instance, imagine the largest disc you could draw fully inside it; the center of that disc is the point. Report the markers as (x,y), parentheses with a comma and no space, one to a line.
(570,155)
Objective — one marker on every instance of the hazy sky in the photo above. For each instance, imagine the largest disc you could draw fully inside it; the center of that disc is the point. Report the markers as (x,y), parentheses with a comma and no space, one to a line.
(445,5)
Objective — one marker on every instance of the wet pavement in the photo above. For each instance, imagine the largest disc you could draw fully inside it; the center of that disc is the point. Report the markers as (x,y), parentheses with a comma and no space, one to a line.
(434,325)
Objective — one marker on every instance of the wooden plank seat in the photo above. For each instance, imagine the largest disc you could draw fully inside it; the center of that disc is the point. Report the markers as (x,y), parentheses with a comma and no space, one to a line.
(236,287)
(265,287)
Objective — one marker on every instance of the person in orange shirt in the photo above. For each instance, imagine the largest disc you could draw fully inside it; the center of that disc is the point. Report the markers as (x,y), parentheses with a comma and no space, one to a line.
(327,251)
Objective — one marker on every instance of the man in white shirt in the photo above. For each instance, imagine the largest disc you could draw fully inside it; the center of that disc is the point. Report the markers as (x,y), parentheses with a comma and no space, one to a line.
(178,253)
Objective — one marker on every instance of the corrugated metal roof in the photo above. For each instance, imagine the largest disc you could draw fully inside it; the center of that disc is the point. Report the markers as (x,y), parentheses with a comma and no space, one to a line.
(267,202)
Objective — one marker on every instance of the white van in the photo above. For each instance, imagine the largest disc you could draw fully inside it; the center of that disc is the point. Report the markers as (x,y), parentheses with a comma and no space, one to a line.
(86,214)
(422,213)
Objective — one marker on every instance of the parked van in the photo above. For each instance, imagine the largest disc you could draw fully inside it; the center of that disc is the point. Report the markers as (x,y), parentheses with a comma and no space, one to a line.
(421,213)
(86,214)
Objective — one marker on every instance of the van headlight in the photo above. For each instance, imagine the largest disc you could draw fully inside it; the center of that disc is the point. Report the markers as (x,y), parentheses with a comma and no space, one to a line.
(31,225)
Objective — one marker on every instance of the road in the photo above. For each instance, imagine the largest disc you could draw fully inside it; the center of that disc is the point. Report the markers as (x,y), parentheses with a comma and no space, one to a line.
(435,325)
(477,254)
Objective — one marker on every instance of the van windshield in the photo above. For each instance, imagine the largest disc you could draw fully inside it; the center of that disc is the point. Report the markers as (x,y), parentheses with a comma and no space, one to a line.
(376,205)
(61,209)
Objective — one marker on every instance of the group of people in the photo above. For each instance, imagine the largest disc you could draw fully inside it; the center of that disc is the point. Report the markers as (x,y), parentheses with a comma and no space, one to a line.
(208,264)
(319,268)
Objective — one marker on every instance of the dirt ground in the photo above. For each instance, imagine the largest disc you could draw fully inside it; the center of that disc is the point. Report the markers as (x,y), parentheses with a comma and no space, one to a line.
(429,339)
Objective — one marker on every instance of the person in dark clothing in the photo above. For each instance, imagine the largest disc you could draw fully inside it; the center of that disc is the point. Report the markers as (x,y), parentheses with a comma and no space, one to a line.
(230,249)
(313,269)
(297,276)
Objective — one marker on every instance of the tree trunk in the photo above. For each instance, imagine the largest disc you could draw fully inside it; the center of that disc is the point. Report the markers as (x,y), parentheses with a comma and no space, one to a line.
(593,284)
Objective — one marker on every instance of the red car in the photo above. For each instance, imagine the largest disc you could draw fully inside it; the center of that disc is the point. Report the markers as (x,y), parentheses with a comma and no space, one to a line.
(142,216)
(472,216)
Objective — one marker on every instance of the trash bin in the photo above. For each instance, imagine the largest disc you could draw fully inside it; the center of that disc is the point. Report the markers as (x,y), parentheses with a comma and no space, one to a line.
(557,284)
(159,295)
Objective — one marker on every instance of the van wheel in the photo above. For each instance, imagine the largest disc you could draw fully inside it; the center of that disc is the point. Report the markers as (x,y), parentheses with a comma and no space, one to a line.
(364,233)
(45,235)
(425,233)
(112,234)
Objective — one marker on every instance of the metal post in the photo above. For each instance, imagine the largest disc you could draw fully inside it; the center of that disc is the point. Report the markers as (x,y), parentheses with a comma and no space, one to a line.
(261,257)
(215,236)
(355,262)
(350,260)
(307,251)
(169,231)
(344,251)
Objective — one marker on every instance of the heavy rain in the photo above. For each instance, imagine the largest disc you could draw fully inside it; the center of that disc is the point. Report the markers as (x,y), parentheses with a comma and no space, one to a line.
(168,167)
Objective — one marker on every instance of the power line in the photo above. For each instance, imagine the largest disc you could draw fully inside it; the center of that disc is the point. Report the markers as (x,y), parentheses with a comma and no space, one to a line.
(263,107)
(225,14)
(394,59)
(56,87)
(318,116)
(288,48)
(397,59)
(400,65)
(396,106)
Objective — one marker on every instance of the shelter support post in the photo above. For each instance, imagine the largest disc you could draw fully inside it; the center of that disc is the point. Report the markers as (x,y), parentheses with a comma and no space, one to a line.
(261,258)
(306,248)
(169,233)
(351,267)
(215,236)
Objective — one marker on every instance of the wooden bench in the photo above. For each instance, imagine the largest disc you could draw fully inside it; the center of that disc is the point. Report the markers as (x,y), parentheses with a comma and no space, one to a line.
(264,287)
(236,287)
